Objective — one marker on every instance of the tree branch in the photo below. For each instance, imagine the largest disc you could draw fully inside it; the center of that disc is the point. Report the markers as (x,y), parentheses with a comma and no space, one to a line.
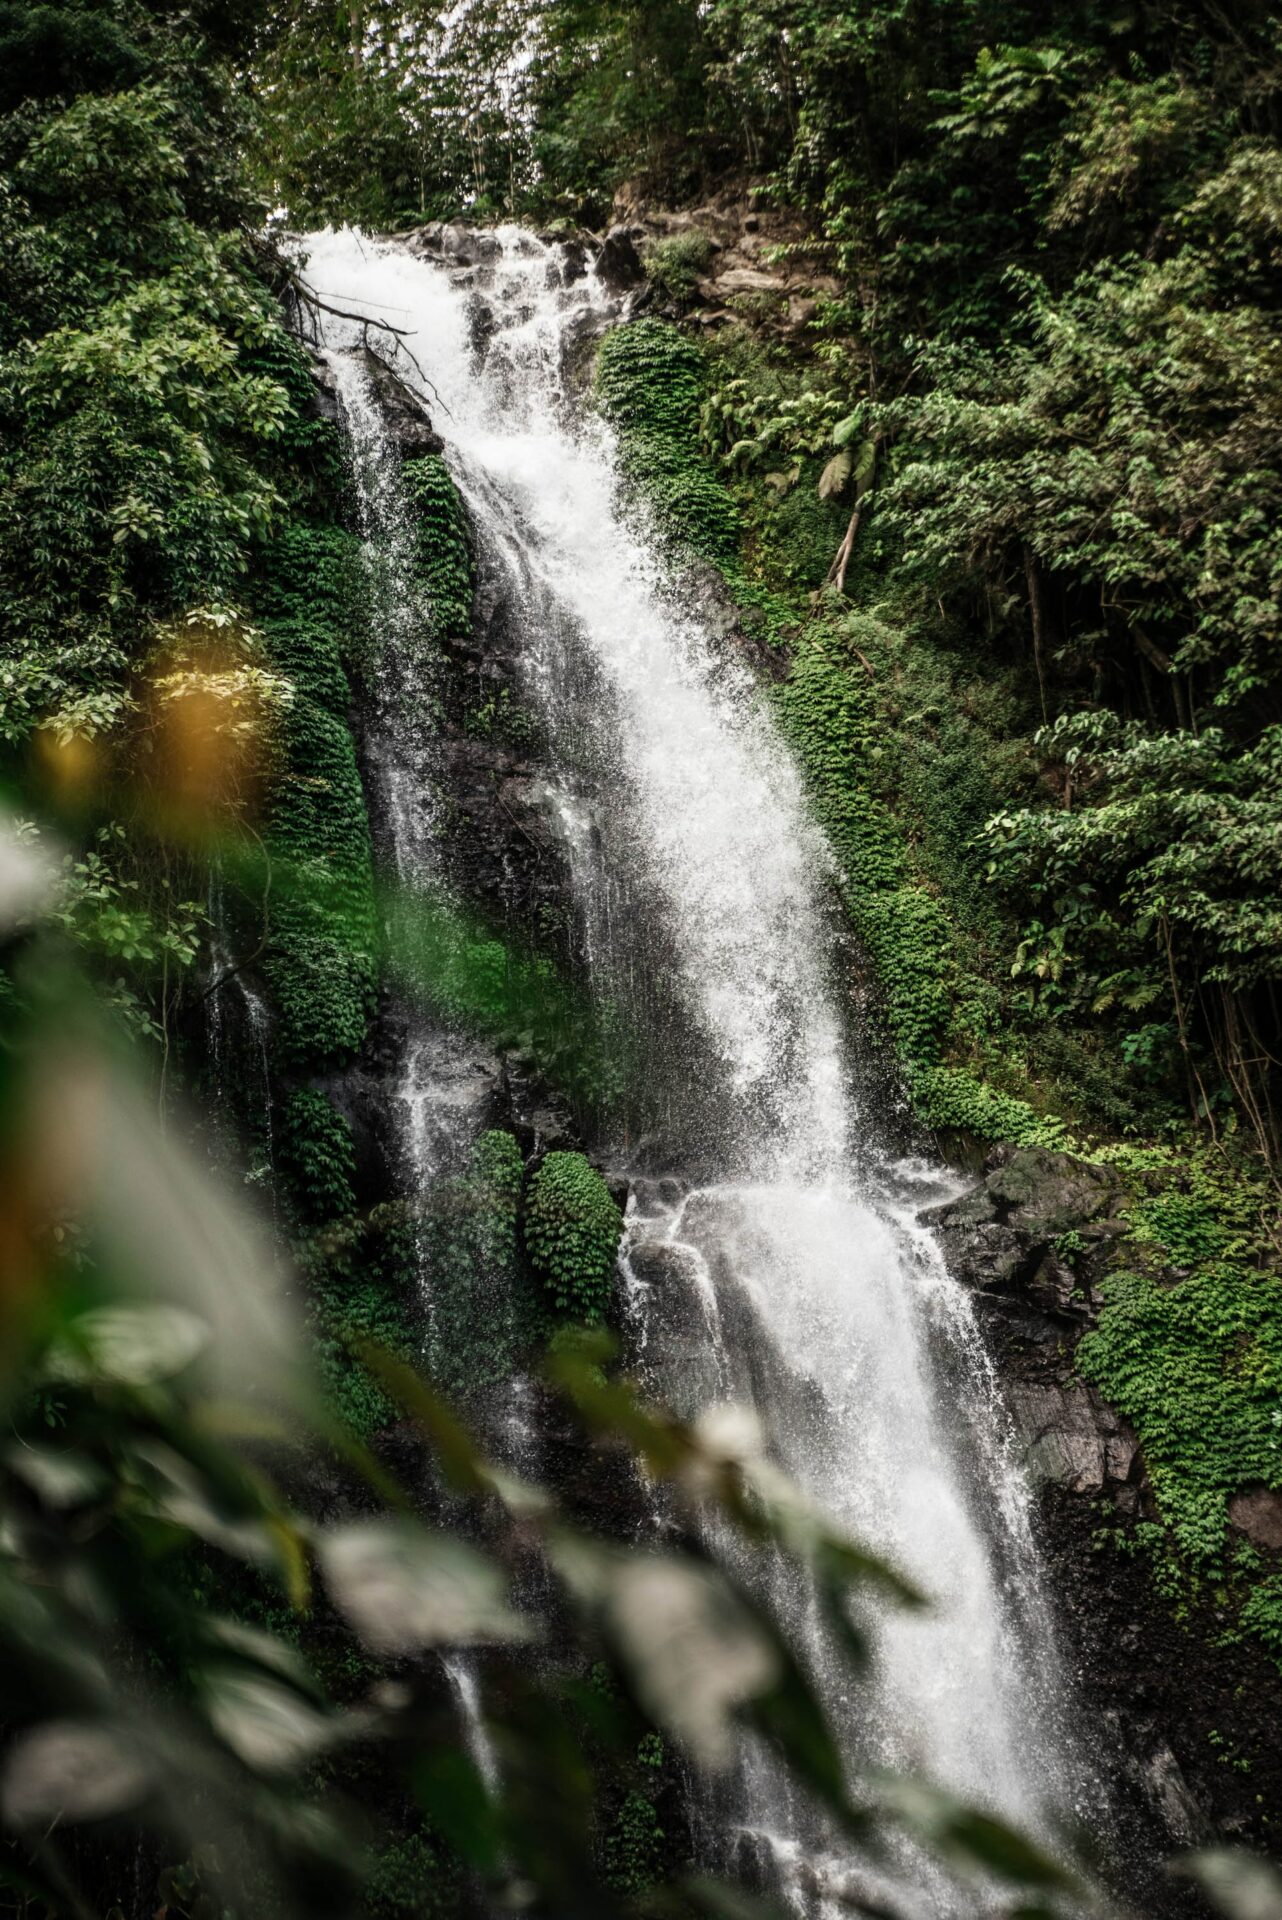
(365,321)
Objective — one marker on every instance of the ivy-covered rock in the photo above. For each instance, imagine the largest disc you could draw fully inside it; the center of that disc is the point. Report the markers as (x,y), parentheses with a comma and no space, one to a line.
(572,1229)
(316,1156)
(320,962)
(651,382)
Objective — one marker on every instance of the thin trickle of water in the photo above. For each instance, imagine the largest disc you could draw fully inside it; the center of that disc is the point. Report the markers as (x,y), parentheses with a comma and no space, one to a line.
(783,1277)
(238,1025)
(436,1084)
(465,1686)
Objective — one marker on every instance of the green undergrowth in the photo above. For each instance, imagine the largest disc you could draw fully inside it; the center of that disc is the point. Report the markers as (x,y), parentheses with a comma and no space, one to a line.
(490,983)
(320,962)
(414,1877)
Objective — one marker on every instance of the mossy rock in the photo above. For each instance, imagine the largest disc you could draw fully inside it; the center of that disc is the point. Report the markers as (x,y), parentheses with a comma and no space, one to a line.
(572,1230)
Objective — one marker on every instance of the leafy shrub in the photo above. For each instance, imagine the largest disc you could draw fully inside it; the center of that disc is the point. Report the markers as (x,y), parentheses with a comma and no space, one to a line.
(317,1157)
(676,262)
(1196,1366)
(634,1845)
(443,550)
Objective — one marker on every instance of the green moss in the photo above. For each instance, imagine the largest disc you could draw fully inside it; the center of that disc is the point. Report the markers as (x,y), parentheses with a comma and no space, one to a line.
(572,1229)
(414,1877)
(320,962)
(634,1845)
(316,1157)
(514,996)
(442,550)
(830,715)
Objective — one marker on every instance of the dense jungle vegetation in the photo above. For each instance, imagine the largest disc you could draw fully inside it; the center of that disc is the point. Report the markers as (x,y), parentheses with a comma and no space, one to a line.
(1005,507)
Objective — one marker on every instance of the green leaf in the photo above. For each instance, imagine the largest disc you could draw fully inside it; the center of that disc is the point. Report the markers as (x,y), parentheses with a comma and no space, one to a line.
(403,1587)
(833,479)
(1239,1884)
(130,1346)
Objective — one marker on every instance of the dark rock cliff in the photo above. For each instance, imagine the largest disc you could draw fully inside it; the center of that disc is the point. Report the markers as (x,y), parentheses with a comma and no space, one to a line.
(1183,1713)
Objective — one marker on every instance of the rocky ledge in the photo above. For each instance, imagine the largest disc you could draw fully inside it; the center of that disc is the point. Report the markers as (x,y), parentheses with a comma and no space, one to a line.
(1033,1243)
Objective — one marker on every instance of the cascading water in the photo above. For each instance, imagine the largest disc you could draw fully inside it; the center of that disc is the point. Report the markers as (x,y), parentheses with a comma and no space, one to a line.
(783,1267)
(439,1095)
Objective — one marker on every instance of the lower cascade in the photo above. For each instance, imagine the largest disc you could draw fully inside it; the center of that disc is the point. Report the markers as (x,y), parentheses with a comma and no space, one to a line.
(773,1261)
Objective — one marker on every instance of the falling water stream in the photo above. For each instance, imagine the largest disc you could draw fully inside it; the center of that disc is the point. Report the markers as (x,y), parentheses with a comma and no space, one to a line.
(778,1264)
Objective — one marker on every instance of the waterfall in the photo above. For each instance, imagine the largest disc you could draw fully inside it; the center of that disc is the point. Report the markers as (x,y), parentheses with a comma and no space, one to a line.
(772,1256)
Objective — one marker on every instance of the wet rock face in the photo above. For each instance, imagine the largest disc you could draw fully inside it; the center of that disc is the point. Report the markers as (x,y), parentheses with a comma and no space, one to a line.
(732,630)
(618,263)
(758,264)
(325,397)
(409,424)
(1033,1242)
(1257,1512)
(454,243)
(1073,1437)
(1010,1239)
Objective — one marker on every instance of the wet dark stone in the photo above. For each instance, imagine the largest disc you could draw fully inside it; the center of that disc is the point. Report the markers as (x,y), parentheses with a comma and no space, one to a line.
(618,263)
(1006,1236)
(325,397)
(454,243)
(574,261)
(1257,1512)
(734,633)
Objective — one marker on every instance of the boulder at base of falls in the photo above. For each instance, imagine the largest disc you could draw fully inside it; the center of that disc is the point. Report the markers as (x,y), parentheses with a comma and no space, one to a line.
(1008,1239)
(1033,1242)
(454,243)
(1073,1437)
